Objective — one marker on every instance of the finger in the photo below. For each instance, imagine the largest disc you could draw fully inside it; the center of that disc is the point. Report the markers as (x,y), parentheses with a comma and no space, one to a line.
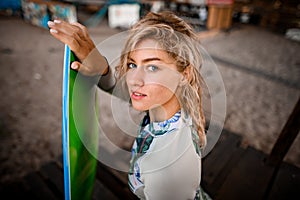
(61,26)
(74,29)
(83,69)
(74,35)
(85,40)
(66,39)
(66,28)
(82,28)
(66,33)
(79,25)
(75,65)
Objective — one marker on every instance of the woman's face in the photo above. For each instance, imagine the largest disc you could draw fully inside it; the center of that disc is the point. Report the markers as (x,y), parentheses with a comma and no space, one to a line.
(152,78)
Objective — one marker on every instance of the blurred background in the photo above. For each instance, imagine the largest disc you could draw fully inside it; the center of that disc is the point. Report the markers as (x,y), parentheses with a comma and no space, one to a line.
(255,45)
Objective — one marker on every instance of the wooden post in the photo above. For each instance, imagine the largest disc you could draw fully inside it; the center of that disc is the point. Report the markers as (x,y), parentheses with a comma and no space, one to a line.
(286,137)
(282,145)
(219,16)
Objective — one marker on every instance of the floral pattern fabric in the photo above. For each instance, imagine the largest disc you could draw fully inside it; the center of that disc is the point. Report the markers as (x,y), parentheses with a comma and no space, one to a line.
(147,133)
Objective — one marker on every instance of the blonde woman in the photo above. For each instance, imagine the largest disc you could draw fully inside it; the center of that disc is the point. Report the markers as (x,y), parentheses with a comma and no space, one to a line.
(159,70)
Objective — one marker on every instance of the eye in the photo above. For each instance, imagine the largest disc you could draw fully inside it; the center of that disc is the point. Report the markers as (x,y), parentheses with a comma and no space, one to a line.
(152,68)
(131,65)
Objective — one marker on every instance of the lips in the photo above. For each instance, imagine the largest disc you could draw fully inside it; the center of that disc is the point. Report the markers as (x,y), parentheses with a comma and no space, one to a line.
(137,95)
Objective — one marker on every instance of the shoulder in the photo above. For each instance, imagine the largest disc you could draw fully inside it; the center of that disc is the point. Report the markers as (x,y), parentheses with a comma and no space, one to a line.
(172,149)
(171,156)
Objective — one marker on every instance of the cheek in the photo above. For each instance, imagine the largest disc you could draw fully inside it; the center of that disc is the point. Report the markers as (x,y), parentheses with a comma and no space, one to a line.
(128,81)
(160,94)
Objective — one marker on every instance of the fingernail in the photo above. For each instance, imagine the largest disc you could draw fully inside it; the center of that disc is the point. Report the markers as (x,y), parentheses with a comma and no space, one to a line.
(57,21)
(50,23)
(74,66)
(53,31)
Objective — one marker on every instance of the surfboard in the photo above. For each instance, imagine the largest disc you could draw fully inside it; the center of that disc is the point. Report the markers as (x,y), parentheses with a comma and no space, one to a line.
(79,131)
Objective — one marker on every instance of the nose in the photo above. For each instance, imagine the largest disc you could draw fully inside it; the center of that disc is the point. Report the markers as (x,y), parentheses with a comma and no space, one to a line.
(135,77)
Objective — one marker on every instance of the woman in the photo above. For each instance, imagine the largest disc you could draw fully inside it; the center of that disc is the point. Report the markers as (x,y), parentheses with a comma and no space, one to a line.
(159,69)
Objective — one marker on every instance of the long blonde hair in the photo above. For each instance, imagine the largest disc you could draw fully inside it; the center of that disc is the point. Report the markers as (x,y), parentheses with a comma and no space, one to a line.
(180,41)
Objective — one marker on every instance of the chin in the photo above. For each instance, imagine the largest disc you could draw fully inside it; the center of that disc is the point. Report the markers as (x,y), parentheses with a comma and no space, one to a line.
(140,108)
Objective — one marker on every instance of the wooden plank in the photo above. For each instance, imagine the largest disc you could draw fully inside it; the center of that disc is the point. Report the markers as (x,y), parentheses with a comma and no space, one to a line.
(221,177)
(220,161)
(286,137)
(37,188)
(112,182)
(111,179)
(14,190)
(287,183)
(122,162)
(53,174)
(101,192)
(249,179)
(59,160)
(121,176)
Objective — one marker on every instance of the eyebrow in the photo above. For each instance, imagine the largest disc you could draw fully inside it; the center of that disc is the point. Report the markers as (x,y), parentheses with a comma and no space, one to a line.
(147,59)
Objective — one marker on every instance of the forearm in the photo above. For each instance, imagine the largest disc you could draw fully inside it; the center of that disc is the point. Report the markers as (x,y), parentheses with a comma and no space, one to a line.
(107,80)
(94,64)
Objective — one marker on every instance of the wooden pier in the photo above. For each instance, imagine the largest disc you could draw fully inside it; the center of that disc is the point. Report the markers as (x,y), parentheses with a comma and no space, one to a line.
(230,171)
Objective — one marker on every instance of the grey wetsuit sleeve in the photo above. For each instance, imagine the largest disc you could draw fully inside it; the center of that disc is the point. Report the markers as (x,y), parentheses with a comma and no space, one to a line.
(107,81)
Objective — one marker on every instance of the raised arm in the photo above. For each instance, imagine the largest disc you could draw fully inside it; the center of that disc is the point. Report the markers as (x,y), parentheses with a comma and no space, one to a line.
(91,62)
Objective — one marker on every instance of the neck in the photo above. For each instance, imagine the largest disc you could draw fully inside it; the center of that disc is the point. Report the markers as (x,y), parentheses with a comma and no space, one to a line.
(162,113)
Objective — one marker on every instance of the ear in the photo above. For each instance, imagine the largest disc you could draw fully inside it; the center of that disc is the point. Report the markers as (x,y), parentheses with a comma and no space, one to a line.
(187,73)
(185,76)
